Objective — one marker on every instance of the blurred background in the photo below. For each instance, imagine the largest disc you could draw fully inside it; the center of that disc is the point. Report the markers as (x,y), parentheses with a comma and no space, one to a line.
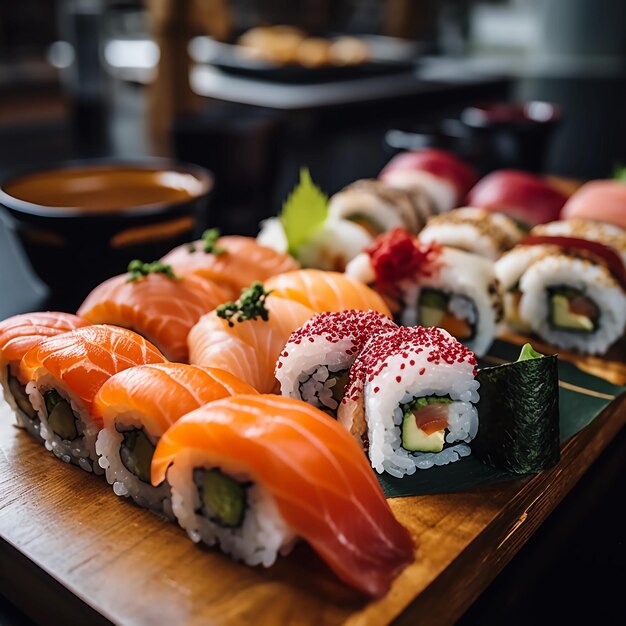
(100,78)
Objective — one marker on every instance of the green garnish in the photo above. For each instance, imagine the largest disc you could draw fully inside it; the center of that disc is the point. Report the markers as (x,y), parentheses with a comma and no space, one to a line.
(249,306)
(138,269)
(619,172)
(528,352)
(209,242)
(304,212)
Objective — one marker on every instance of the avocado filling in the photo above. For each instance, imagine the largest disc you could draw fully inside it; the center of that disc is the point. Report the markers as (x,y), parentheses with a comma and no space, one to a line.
(424,423)
(223,499)
(21,397)
(136,453)
(324,389)
(61,418)
(434,308)
(369,224)
(571,310)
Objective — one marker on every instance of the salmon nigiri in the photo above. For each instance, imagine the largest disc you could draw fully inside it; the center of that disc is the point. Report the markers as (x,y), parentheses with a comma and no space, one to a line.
(64,374)
(249,346)
(17,335)
(326,291)
(154,302)
(135,408)
(232,262)
(266,470)
(600,200)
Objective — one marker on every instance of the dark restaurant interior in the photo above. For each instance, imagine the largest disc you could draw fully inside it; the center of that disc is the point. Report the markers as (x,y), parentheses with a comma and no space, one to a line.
(532,85)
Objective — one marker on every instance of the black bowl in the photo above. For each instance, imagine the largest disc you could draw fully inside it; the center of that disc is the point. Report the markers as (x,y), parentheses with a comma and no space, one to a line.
(71,248)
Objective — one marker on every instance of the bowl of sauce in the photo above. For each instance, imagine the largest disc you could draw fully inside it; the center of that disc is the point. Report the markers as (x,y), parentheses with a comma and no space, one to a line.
(80,223)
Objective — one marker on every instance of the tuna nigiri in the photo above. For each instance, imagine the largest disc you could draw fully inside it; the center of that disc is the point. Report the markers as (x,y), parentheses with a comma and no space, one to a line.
(17,335)
(252,473)
(232,262)
(326,291)
(63,376)
(156,303)
(248,348)
(135,407)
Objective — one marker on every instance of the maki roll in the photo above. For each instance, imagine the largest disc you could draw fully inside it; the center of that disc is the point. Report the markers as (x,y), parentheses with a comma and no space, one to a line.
(427,284)
(135,407)
(253,473)
(567,283)
(65,372)
(232,262)
(377,207)
(18,334)
(441,175)
(410,400)
(314,365)
(473,230)
(154,302)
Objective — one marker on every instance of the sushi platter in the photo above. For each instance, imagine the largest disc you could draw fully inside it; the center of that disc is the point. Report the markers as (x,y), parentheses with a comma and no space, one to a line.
(377,400)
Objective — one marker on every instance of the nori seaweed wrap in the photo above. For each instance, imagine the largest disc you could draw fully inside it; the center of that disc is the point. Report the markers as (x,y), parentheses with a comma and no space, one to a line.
(519,414)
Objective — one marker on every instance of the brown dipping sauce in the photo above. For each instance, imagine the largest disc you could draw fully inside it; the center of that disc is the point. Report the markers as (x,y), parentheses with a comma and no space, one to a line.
(106,188)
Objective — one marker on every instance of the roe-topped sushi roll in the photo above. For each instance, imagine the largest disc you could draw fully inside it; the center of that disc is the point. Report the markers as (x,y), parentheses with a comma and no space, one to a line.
(18,334)
(566,281)
(410,400)
(155,302)
(253,473)
(314,365)
(64,374)
(136,407)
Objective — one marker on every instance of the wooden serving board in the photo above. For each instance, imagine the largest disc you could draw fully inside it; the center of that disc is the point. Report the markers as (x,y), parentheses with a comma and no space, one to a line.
(71,552)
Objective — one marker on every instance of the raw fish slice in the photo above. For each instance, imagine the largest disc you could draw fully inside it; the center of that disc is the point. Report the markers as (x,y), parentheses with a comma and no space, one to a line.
(601,200)
(313,470)
(242,261)
(158,307)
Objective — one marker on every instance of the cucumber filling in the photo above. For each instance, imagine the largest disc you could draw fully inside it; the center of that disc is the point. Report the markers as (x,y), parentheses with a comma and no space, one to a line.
(21,397)
(324,389)
(424,422)
(435,308)
(571,310)
(136,451)
(61,418)
(223,499)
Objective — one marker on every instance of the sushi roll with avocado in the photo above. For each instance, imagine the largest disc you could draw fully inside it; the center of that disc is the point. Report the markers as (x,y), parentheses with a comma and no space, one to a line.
(473,230)
(430,285)
(135,408)
(17,335)
(315,363)
(250,474)
(410,400)
(567,283)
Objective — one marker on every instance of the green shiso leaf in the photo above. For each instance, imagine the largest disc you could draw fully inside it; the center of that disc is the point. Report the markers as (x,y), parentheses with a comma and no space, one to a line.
(619,172)
(304,212)
(528,352)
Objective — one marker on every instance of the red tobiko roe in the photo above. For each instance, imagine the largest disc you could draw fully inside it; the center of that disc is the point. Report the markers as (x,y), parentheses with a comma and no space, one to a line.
(437,162)
(397,254)
(523,196)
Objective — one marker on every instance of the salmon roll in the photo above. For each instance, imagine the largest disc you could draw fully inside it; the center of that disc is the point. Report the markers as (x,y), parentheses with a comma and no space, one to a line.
(18,334)
(326,291)
(232,262)
(246,337)
(135,407)
(64,374)
(410,401)
(156,303)
(314,365)
(238,482)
